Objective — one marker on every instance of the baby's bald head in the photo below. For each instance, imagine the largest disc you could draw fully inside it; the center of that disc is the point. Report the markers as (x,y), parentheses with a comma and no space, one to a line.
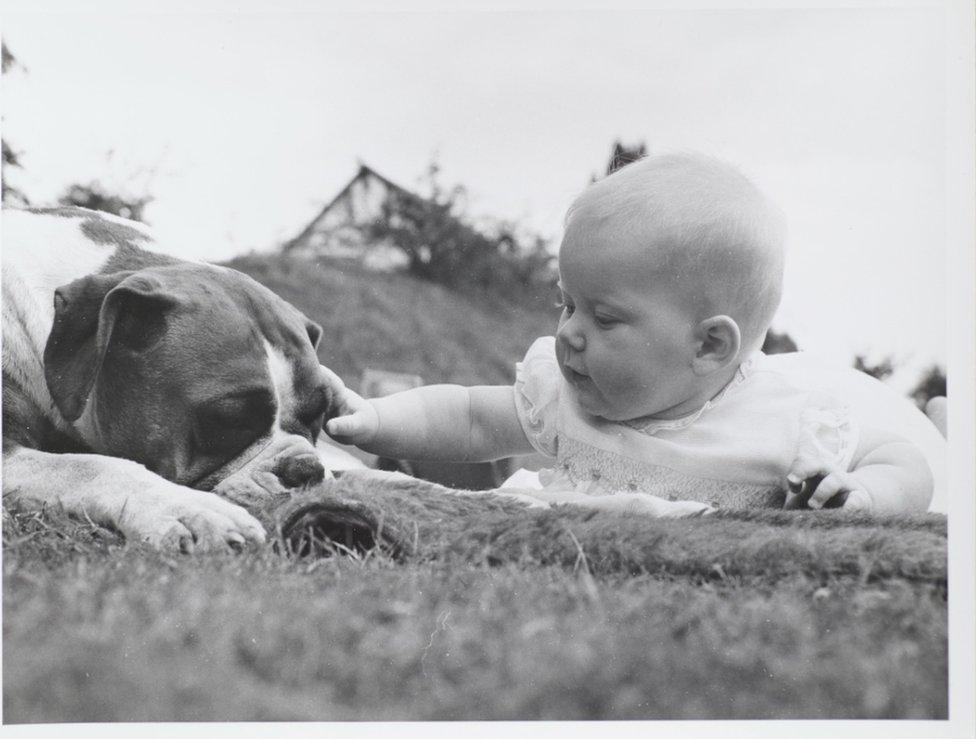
(698,224)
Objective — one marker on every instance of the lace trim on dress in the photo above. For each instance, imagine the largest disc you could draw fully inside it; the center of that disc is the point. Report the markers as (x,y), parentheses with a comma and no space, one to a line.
(588,470)
(537,397)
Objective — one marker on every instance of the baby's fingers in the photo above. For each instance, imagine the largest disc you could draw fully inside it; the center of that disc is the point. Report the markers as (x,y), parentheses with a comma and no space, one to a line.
(804,467)
(804,476)
(353,429)
(344,425)
(828,487)
(837,490)
(799,492)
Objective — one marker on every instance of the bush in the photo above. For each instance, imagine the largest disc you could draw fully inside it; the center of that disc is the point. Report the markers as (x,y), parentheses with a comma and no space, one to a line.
(443,247)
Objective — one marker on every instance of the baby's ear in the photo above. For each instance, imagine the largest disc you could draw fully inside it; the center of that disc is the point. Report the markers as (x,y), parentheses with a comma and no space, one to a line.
(719,341)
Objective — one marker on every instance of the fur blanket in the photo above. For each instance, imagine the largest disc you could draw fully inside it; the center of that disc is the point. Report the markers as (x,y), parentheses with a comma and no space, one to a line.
(412,520)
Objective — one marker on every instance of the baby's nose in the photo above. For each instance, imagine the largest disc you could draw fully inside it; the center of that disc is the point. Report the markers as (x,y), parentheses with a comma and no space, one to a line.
(572,338)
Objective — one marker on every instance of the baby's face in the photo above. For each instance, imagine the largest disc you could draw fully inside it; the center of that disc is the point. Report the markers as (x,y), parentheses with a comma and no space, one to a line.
(625,343)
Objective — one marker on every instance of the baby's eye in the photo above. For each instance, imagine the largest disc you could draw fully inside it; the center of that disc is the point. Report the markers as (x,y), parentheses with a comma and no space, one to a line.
(604,321)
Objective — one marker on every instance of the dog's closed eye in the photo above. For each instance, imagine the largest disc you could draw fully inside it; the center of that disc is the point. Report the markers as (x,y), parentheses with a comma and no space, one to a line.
(227,424)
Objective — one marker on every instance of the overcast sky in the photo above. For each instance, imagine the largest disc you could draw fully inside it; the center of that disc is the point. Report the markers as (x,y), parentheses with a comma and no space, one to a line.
(242,125)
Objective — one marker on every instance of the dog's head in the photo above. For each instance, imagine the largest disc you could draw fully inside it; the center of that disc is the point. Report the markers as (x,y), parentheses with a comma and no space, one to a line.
(196,371)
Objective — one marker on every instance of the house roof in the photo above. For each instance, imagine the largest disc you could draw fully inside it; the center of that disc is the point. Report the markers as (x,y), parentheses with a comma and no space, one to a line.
(364,172)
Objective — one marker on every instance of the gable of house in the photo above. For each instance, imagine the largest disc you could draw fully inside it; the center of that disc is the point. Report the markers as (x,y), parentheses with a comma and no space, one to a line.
(341,229)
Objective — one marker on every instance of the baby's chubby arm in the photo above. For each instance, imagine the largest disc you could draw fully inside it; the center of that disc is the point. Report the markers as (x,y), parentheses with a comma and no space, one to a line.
(435,422)
(888,475)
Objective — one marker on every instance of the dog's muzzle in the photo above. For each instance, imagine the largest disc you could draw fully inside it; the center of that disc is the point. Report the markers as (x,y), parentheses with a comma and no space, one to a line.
(297,472)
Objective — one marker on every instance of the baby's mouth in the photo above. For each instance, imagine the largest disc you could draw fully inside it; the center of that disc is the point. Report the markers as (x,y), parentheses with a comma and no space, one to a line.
(575,377)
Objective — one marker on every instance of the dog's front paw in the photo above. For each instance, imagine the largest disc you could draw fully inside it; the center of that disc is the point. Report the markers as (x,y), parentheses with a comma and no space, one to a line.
(177,519)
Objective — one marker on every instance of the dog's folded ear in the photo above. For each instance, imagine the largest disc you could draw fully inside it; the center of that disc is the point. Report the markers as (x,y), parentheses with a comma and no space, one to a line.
(124,307)
(314,332)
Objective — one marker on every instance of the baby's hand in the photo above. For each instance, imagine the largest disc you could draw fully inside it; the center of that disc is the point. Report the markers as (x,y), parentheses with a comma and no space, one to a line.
(816,484)
(356,421)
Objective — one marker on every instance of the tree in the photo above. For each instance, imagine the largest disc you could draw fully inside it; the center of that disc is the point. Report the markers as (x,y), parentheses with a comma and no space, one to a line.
(776,343)
(11,158)
(96,197)
(622,155)
(7,60)
(931,385)
(881,370)
(429,230)
(443,247)
(91,195)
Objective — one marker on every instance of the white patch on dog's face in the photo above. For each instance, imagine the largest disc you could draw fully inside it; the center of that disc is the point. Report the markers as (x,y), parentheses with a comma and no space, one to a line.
(252,476)
(283,386)
(236,474)
(282,382)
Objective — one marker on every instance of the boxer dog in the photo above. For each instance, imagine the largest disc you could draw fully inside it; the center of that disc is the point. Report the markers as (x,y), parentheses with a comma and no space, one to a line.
(149,394)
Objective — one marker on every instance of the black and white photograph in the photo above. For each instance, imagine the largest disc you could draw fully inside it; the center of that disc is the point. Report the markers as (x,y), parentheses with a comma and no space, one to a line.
(373,368)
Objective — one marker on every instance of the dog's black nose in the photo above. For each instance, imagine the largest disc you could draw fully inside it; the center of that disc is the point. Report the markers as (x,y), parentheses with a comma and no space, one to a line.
(297,471)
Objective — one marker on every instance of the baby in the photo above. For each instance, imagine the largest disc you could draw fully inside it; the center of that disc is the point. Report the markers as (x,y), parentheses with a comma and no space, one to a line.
(654,395)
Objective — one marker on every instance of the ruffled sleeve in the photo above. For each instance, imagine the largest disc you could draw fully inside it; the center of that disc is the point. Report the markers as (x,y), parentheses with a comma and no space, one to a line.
(828,431)
(537,381)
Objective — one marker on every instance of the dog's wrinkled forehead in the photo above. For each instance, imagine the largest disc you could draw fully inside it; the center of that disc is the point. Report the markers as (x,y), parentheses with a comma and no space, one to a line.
(225,329)
(287,338)
(226,297)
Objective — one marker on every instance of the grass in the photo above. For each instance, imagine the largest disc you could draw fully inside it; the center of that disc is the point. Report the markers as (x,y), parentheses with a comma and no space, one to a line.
(524,629)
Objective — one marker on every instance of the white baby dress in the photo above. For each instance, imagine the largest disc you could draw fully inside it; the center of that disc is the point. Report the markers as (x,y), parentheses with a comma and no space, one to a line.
(734,452)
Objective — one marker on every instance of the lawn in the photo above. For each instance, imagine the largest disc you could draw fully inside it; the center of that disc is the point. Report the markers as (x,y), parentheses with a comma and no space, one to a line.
(489,611)
(483,609)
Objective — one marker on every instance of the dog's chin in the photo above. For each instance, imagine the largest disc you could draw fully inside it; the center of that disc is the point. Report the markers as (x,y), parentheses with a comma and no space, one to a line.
(257,488)
(256,475)
(232,474)
(251,491)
